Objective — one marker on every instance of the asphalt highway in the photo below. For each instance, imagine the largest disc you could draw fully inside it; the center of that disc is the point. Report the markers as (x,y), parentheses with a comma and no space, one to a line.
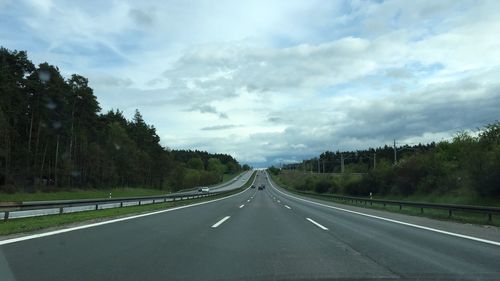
(264,234)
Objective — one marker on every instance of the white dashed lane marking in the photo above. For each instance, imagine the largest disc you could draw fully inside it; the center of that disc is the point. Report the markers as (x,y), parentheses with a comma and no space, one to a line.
(220,222)
(317,224)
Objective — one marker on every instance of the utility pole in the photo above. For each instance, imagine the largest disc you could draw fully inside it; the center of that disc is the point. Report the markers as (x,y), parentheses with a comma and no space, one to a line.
(342,163)
(318,166)
(323,166)
(395,153)
(55,166)
(374,160)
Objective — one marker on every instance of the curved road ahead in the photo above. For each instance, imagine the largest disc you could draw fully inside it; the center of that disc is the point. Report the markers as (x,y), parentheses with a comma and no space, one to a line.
(253,235)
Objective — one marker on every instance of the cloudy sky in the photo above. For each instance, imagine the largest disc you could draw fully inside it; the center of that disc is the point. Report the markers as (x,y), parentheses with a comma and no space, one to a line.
(271,81)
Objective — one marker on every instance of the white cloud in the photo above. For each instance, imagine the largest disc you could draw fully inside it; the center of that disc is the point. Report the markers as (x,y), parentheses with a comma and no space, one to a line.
(298,77)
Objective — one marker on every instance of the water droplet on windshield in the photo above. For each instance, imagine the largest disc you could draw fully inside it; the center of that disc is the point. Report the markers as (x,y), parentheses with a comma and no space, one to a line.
(56,124)
(51,105)
(44,76)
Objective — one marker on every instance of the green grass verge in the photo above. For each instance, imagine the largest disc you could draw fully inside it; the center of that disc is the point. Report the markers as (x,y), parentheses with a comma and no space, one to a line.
(79,194)
(464,217)
(446,199)
(23,225)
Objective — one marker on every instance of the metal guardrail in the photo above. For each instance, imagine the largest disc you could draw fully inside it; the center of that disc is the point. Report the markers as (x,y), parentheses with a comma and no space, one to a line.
(7,207)
(490,211)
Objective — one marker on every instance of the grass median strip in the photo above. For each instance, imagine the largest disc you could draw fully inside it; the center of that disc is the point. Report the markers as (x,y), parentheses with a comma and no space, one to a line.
(74,194)
(31,224)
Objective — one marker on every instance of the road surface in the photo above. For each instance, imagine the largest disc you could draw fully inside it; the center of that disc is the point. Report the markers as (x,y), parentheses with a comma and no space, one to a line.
(253,235)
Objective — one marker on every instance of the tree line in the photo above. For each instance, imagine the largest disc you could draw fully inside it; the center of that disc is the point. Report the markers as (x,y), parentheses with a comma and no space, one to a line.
(53,135)
(467,165)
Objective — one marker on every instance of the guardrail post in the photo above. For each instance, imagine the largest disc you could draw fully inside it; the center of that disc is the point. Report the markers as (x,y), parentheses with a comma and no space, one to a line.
(97,206)
(421,210)
(60,210)
(449,213)
(6,215)
(489,217)
(121,204)
(400,206)
(139,202)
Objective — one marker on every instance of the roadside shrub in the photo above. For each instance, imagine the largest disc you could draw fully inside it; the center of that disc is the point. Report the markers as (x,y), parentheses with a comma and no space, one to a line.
(357,187)
(488,181)
(335,187)
(322,186)
(275,171)
(408,174)
(191,178)
(307,185)
(381,178)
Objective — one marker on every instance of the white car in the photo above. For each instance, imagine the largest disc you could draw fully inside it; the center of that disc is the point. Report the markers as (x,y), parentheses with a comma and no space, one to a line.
(204,189)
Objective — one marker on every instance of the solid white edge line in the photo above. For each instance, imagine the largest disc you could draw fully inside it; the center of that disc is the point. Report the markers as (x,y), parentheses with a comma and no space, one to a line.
(286,206)
(394,221)
(39,235)
(242,206)
(220,222)
(317,224)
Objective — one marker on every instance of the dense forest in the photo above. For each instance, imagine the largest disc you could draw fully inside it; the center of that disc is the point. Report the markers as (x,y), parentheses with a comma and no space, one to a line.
(53,135)
(467,165)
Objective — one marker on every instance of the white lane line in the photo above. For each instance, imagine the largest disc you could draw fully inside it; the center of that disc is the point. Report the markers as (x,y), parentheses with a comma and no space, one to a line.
(286,206)
(220,222)
(278,201)
(242,206)
(395,221)
(317,224)
(39,235)
(248,200)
